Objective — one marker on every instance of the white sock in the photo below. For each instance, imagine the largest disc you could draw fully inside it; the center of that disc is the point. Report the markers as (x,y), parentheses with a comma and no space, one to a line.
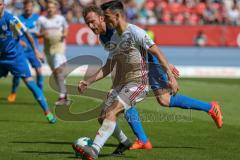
(103,134)
(119,135)
(61,84)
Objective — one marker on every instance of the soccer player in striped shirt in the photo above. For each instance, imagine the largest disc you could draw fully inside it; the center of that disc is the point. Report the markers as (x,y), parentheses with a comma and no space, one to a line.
(161,80)
(127,52)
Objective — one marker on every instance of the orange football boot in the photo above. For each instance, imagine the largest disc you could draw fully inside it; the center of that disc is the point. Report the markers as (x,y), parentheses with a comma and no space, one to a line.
(140,145)
(216,114)
(12,97)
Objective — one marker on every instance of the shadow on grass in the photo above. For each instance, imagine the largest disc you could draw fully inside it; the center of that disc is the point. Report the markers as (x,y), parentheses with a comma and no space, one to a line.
(121,156)
(110,145)
(102,156)
(5,102)
(179,147)
(67,153)
(55,143)
(70,155)
(49,152)
(3,99)
(21,121)
(42,142)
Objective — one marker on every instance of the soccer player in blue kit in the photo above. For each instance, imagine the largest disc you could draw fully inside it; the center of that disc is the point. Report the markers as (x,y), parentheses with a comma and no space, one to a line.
(158,81)
(12,58)
(29,19)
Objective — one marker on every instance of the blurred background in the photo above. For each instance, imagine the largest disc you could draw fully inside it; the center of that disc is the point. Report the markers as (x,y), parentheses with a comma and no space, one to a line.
(200,37)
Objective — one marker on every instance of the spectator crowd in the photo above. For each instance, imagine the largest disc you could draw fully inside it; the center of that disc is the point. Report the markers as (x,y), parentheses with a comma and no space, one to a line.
(150,12)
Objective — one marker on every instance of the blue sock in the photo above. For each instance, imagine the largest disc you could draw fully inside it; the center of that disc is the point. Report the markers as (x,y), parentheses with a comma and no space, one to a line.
(133,119)
(40,81)
(15,84)
(38,94)
(189,103)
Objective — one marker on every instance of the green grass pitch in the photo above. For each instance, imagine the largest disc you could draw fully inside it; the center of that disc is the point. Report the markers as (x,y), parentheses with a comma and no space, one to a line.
(176,134)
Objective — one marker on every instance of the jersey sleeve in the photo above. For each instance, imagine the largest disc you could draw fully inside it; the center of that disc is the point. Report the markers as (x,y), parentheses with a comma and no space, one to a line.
(65,24)
(142,39)
(39,23)
(18,26)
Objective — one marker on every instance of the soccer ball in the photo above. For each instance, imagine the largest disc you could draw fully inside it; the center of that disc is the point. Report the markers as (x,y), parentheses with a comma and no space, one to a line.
(84,141)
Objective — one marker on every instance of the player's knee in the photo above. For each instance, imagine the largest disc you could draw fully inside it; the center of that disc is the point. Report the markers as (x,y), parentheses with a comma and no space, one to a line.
(27,79)
(163,101)
(111,115)
(58,70)
(39,71)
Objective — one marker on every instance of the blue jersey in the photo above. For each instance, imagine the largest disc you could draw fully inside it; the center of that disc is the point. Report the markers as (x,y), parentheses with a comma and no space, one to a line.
(31,24)
(12,58)
(152,59)
(105,38)
(11,29)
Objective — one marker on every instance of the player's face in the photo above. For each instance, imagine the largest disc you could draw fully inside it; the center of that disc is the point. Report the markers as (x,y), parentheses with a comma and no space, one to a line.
(51,9)
(1,7)
(94,22)
(28,8)
(111,18)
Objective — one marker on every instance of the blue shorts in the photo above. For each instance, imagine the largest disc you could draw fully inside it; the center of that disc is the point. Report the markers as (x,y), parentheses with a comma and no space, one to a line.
(18,67)
(35,63)
(157,77)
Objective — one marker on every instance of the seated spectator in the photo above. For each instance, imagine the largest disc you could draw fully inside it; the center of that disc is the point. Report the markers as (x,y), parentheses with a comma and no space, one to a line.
(167,18)
(210,14)
(192,19)
(233,15)
(131,11)
(178,19)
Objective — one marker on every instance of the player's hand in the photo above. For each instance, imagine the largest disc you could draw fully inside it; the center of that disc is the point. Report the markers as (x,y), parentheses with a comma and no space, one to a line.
(40,56)
(173,84)
(174,70)
(45,33)
(82,86)
(23,44)
(62,39)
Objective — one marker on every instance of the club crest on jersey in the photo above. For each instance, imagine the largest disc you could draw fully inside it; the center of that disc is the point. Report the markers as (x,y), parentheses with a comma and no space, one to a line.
(4,27)
(109,46)
(126,44)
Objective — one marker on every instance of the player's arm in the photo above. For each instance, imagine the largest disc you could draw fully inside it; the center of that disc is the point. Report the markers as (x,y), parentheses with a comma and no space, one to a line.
(23,44)
(22,30)
(144,41)
(161,58)
(65,33)
(40,33)
(174,70)
(65,29)
(31,41)
(100,74)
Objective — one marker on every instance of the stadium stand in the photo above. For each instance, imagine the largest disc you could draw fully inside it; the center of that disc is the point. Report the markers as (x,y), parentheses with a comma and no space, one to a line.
(150,12)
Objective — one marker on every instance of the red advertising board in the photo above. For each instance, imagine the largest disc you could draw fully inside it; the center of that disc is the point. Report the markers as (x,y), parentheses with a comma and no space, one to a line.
(168,35)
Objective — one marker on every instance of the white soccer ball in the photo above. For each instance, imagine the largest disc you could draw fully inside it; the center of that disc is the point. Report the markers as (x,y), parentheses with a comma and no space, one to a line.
(84,141)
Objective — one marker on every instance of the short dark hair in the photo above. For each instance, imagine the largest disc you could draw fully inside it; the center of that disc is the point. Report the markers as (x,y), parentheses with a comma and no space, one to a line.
(92,8)
(113,5)
(27,1)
